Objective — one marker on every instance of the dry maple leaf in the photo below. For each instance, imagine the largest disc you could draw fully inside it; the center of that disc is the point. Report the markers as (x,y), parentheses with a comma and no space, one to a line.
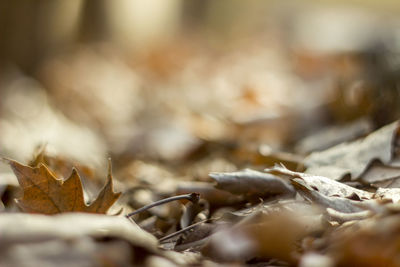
(44,193)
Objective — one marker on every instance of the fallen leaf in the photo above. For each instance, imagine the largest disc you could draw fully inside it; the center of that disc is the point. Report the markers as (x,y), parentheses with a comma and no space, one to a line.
(337,203)
(352,158)
(377,172)
(81,252)
(323,185)
(44,193)
(390,183)
(265,235)
(24,237)
(370,242)
(251,183)
(35,227)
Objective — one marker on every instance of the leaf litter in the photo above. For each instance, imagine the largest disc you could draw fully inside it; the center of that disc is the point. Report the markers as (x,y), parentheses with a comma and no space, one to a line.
(276,216)
(213,129)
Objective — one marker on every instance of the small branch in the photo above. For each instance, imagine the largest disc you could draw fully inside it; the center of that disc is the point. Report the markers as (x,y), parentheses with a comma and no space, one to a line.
(193,197)
(183,230)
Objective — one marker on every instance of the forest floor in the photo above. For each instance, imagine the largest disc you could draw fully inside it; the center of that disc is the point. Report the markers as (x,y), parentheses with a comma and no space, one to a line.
(268,159)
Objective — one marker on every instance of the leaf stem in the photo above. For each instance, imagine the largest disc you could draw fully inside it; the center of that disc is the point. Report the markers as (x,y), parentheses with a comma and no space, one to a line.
(193,197)
(183,230)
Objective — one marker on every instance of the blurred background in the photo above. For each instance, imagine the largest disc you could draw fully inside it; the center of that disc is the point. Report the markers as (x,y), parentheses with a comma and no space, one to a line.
(173,81)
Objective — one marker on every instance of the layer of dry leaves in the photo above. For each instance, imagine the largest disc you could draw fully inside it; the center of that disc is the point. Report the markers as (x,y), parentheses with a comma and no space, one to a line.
(307,180)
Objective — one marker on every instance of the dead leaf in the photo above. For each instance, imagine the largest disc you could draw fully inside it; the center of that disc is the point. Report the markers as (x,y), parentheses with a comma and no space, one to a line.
(251,183)
(81,252)
(71,234)
(377,172)
(265,235)
(352,158)
(44,193)
(323,185)
(337,203)
(390,183)
(35,227)
(370,242)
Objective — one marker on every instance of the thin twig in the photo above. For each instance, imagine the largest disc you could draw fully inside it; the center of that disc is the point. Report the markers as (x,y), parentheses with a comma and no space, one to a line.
(194,197)
(183,230)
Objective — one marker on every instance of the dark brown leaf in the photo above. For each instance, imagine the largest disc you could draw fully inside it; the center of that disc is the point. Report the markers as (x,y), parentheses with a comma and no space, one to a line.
(252,183)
